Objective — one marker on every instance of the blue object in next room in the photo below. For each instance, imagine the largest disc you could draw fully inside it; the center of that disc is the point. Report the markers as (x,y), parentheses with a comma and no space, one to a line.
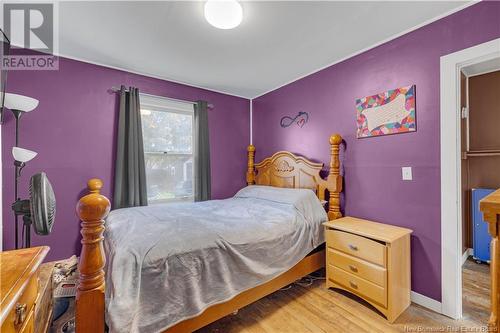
(481,237)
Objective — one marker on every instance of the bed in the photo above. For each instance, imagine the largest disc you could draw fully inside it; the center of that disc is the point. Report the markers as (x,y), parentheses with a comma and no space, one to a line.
(231,253)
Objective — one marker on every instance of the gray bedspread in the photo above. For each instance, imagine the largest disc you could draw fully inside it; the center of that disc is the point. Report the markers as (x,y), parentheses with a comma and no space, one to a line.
(167,263)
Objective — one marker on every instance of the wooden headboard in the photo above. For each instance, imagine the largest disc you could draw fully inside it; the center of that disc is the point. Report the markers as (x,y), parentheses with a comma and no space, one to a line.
(285,169)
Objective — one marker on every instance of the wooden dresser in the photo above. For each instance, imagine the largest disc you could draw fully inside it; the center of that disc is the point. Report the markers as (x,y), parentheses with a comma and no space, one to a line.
(19,287)
(490,206)
(370,260)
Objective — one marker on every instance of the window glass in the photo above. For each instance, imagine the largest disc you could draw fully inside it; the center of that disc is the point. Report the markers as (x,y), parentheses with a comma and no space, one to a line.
(168,149)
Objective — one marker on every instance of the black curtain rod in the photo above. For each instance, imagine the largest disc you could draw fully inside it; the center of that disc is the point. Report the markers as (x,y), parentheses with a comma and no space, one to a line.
(115,89)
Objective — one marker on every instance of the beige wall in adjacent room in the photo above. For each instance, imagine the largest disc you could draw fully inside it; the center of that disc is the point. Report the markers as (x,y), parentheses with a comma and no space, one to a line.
(484,134)
(484,103)
(484,129)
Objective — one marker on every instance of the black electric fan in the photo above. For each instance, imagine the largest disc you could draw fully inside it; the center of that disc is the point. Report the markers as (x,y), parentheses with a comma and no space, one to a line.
(39,210)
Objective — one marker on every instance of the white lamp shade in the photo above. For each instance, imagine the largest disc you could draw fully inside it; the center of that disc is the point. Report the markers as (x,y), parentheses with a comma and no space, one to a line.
(23,155)
(223,14)
(20,102)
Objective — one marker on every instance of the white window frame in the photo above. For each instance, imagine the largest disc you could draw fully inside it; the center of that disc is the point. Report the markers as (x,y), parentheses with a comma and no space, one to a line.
(162,104)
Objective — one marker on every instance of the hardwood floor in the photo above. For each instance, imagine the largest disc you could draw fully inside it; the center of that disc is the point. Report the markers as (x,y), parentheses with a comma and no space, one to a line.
(476,291)
(314,309)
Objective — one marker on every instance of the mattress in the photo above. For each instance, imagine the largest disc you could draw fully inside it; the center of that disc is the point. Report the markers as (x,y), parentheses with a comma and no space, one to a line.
(167,263)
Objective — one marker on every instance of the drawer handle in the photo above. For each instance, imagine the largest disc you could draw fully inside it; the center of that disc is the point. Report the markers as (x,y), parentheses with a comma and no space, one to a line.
(354,285)
(353,247)
(20,314)
(353,268)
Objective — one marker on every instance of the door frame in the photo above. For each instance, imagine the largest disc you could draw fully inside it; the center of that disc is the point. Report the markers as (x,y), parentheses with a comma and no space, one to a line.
(451,200)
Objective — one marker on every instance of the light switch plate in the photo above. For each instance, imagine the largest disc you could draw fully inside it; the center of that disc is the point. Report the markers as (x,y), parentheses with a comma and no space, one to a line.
(406,173)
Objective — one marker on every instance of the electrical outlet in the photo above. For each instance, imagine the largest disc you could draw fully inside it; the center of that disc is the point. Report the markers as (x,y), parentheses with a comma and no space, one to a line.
(406,173)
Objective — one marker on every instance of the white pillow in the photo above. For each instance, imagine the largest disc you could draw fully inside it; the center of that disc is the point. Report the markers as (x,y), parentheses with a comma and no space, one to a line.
(305,201)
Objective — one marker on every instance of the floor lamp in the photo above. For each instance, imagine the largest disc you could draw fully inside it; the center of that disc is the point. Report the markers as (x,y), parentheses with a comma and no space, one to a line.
(19,105)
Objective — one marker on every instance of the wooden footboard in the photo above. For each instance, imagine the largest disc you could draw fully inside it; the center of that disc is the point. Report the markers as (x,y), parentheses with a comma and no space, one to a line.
(92,209)
(283,169)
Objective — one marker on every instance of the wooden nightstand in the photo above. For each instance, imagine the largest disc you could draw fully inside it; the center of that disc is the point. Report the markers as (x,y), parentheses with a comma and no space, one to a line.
(19,286)
(370,260)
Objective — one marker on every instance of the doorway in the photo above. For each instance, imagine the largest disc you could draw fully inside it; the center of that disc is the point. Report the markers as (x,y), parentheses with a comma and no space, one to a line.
(482,56)
(480,162)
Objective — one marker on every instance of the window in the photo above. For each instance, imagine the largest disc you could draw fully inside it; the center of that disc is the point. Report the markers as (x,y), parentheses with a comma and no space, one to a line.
(167,129)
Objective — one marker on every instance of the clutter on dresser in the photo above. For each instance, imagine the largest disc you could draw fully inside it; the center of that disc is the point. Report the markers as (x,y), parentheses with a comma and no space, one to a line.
(65,279)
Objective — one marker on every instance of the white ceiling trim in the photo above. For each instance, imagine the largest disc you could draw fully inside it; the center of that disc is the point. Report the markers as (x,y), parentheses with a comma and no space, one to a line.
(418,26)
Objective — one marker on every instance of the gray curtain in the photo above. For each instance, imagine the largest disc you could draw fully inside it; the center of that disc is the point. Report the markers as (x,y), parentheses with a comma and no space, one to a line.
(130,172)
(202,179)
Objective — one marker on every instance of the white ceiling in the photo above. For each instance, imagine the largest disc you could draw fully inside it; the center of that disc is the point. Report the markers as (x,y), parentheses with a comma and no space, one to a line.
(277,42)
(484,67)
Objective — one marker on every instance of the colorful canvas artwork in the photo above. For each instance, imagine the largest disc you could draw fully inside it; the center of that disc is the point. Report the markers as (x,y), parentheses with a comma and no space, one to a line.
(390,112)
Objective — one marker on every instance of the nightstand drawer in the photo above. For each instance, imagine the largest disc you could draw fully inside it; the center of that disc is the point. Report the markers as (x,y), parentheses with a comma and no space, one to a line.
(371,260)
(23,309)
(29,323)
(359,286)
(357,246)
(357,267)
(19,287)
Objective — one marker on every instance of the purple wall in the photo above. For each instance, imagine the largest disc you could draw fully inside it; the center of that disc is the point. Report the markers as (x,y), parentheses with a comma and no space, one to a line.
(372,166)
(73,131)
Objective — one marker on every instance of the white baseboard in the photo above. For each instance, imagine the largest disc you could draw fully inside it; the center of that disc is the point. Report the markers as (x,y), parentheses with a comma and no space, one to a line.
(466,254)
(425,301)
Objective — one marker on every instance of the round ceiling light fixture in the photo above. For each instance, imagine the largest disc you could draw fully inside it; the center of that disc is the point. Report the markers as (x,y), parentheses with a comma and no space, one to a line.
(223,14)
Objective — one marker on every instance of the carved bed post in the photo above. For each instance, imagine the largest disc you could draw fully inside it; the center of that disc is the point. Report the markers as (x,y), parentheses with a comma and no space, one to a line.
(91,210)
(251,164)
(334,179)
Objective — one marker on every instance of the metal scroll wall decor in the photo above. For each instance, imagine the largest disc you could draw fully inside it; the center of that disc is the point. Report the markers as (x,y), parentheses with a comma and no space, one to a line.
(300,120)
